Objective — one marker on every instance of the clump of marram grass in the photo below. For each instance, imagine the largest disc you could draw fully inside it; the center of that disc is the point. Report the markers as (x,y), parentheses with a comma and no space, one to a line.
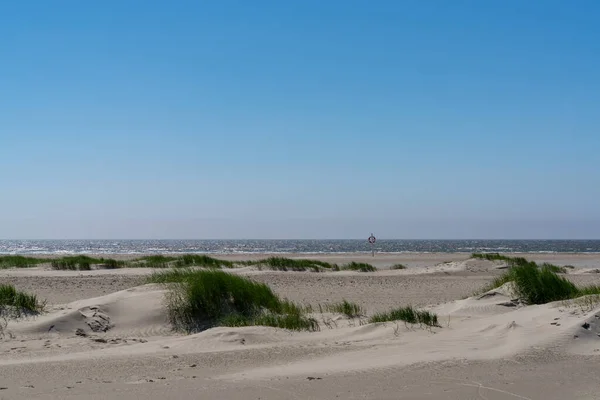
(398,266)
(554,268)
(295,322)
(111,263)
(206,297)
(540,285)
(174,275)
(519,262)
(75,262)
(202,260)
(360,267)
(290,264)
(351,310)
(186,260)
(490,256)
(496,283)
(79,262)
(201,299)
(13,261)
(589,290)
(511,261)
(15,303)
(156,259)
(407,314)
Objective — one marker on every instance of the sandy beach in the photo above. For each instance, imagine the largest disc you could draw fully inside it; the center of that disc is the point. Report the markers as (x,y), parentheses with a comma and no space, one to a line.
(483,348)
(311,200)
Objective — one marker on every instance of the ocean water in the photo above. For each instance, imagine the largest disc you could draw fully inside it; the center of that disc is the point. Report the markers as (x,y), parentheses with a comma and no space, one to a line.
(292,246)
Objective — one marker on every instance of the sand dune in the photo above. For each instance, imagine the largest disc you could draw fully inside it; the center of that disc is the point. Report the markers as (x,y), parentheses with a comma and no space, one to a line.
(120,344)
(135,311)
(477,328)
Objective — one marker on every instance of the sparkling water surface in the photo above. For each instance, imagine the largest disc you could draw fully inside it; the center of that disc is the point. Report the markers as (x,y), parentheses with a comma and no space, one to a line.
(292,246)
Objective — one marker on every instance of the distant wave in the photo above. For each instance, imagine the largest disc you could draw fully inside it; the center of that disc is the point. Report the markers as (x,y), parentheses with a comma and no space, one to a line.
(292,246)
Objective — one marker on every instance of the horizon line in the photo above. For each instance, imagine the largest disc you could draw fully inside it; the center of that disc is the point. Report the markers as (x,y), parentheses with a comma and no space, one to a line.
(320,239)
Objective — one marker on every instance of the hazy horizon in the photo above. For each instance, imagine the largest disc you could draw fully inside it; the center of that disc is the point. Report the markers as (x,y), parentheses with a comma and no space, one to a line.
(411,120)
(301,230)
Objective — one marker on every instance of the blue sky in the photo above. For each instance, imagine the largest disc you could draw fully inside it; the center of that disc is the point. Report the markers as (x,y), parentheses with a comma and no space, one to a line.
(312,119)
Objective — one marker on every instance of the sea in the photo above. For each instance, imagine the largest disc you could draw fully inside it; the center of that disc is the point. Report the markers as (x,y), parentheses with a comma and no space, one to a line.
(25,247)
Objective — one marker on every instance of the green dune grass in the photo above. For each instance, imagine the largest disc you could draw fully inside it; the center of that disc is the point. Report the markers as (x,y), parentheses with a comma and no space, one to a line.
(360,267)
(10,261)
(349,309)
(536,284)
(200,299)
(289,264)
(407,314)
(16,302)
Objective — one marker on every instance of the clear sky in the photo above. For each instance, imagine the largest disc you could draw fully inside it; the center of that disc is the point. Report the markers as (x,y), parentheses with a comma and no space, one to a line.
(300,119)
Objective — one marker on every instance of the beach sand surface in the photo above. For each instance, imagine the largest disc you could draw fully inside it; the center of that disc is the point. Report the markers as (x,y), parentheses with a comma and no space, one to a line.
(105,335)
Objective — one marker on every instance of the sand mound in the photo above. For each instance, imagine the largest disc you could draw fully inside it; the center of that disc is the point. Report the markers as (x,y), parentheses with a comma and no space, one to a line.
(478,328)
(584,334)
(493,302)
(488,338)
(133,312)
(480,265)
(470,265)
(248,336)
(490,326)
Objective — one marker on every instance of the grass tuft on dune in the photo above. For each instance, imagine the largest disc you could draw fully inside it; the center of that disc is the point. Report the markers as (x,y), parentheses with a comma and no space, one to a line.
(11,261)
(202,260)
(75,262)
(360,267)
(407,314)
(536,284)
(201,299)
(153,261)
(541,285)
(186,260)
(289,264)
(82,262)
(14,302)
(518,262)
(349,309)
(159,261)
